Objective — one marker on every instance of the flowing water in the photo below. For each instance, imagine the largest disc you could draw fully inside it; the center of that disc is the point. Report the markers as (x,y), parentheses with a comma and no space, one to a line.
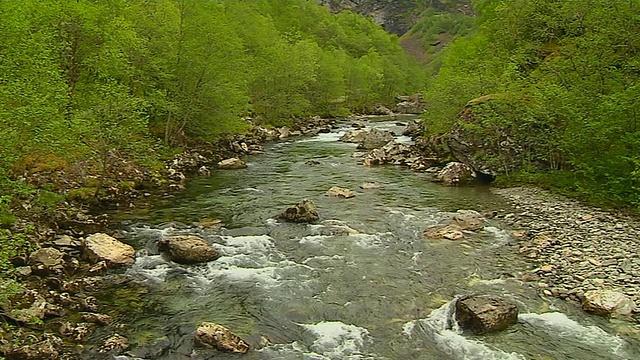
(363,283)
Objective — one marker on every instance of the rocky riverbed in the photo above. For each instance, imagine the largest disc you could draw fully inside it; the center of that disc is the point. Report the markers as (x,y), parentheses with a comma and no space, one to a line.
(576,249)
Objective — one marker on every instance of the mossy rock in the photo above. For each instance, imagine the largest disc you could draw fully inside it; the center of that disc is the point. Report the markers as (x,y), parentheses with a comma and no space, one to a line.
(83,194)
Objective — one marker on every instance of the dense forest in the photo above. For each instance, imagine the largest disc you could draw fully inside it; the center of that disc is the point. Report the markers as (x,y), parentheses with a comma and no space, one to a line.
(82,79)
(556,94)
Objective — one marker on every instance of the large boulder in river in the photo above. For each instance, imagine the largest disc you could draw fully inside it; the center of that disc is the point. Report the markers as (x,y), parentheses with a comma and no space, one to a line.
(455,173)
(231,164)
(485,314)
(102,247)
(608,303)
(219,337)
(376,138)
(303,212)
(468,220)
(187,249)
(354,136)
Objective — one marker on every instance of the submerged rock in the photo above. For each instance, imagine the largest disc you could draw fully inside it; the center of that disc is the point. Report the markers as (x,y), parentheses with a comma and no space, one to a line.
(187,249)
(231,164)
(340,192)
(303,212)
(219,337)
(485,314)
(450,232)
(102,247)
(455,173)
(608,303)
(116,344)
(468,220)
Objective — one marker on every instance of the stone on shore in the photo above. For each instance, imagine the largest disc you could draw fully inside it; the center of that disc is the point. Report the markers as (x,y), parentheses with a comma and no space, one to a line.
(336,191)
(219,337)
(46,261)
(607,303)
(102,247)
(485,314)
(187,249)
(231,164)
(303,212)
(455,173)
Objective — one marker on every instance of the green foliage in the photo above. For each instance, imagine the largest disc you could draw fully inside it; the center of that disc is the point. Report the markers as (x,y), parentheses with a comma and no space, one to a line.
(104,80)
(11,245)
(577,64)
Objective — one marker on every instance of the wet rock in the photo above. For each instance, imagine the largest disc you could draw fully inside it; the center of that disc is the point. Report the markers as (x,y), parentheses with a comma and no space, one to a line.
(375,138)
(98,319)
(303,212)
(312,162)
(354,136)
(484,314)
(204,171)
(381,110)
(76,332)
(47,349)
(231,164)
(413,129)
(468,220)
(47,260)
(336,191)
(115,344)
(219,337)
(455,173)
(102,247)
(375,157)
(187,249)
(450,232)
(370,185)
(608,303)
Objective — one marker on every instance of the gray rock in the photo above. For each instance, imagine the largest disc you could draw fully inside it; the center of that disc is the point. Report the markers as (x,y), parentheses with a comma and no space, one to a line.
(485,314)
(468,220)
(46,260)
(102,247)
(336,191)
(455,173)
(376,138)
(608,303)
(219,337)
(187,249)
(303,212)
(231,164)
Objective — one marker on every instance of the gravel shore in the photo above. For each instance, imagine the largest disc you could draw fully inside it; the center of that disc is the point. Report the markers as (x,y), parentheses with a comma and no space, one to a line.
(575,248)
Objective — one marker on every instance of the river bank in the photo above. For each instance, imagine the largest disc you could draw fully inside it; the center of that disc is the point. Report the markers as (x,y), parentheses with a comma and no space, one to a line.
(574,248)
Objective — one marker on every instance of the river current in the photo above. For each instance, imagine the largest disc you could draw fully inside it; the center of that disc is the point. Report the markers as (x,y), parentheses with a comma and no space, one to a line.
(362,283)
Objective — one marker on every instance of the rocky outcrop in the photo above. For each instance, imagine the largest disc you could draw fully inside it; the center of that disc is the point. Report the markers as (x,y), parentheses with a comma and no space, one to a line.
(47,349)
(115,344)
(455,173)
(47,261)
(413,104)
(303,212)
(219,337)
(231,164)
(376,138)
(354,136)
(102,247)
(187,249)
(607,303)
(336,191)
(485,314)
(413,129)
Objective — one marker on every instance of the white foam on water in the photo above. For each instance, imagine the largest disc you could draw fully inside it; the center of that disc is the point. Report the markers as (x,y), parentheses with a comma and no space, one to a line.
(151,267)
(441,328)
(314,239)
(324,137)
(558,324)
(337,340)
(501,236)
(366,241)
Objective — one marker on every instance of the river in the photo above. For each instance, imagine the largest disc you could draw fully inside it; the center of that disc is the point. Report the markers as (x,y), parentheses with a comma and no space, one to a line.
(363,283)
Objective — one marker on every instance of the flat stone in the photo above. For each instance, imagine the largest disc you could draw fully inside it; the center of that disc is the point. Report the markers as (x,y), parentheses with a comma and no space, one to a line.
(102,247)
